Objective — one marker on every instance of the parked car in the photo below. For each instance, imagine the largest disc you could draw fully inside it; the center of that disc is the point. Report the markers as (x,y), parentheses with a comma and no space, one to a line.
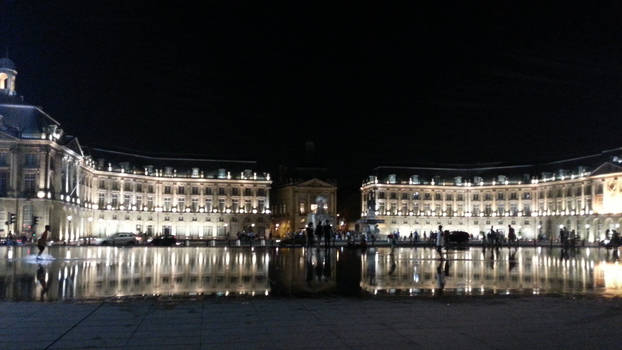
(164,241)
(121,238)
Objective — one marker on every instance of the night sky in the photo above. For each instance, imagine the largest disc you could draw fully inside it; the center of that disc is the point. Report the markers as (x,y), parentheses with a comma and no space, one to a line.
(369,84)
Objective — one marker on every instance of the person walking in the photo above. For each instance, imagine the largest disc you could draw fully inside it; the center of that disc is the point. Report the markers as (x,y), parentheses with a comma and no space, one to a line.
(327,230)
(309,234)
(511,236)
(440,241)
(42,240)
(318,232)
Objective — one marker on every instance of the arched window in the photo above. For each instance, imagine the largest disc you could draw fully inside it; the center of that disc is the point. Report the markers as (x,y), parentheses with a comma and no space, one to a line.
(4,81)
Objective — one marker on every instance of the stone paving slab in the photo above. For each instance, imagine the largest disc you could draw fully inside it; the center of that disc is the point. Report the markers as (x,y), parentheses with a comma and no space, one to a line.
(323,323)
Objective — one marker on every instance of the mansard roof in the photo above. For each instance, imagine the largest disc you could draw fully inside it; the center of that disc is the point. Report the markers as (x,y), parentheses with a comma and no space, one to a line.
(27,121)
(604,162)
(182,165)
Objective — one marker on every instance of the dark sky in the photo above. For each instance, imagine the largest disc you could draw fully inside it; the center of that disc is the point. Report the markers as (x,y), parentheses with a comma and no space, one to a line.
(370,84)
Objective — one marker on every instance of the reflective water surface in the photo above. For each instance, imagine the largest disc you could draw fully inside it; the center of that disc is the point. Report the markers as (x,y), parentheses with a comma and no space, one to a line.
(83,273)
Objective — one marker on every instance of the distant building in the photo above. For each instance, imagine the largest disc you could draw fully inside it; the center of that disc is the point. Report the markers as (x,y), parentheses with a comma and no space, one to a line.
(582,194)
(47,177)
(301,194)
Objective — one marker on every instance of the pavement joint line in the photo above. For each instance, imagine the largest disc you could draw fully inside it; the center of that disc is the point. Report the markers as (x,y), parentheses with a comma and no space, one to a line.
(151,308)
(74,326)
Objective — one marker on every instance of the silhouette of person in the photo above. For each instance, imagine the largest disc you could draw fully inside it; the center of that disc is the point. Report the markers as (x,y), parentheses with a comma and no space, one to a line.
(42,281)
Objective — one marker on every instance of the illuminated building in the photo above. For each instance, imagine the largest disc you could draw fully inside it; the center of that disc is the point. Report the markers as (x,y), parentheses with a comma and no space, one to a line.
(300,195)
(46,175)
(582,194)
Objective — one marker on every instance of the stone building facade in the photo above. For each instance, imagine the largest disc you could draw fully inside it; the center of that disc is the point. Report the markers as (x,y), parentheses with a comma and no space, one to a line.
(296,203)
(582,194)
(47,177)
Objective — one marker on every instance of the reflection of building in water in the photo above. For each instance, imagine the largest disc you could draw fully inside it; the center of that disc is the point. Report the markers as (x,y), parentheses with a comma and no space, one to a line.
(474,272)
(583,194)
(303,271)
(48,175)
(107,272)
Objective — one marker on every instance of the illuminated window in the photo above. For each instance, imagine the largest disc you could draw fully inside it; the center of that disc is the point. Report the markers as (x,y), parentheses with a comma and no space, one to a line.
(4,81)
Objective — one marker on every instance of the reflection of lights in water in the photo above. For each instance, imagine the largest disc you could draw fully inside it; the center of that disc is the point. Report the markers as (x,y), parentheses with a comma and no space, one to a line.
(266,293)
(611,274)
(10,254)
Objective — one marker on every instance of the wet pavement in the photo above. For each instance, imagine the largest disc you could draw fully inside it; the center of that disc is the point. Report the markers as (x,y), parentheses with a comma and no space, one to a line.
(109,273)
(497,322)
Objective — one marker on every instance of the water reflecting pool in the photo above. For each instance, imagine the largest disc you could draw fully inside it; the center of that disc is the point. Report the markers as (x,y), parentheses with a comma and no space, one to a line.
(85,273)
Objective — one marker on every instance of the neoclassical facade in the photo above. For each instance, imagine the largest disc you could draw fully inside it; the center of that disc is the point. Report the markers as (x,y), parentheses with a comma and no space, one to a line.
(47,177)
(582,194)
(297,203)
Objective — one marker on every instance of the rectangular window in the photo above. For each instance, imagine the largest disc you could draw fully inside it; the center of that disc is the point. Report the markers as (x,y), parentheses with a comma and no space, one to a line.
(247,206)
(127,186)
(460,197)
(488,197)
(416,196)
(235,191)
(475,196)
(513,195)
(393,195)
(404,195)
(139,187)
(150,189)
(181,204)
(248,192)
(181,190)
(115,200)
(126,200)
(221,191)
(195,191)
(150,202)
(427,196)
(476,209)
(261,192)
(260,205)
(221,205)
(31,160)
(208,205)
(29,183)
(167,189)
(102,200)
(500,196)
(4,159)
(167,204)
(235,205)
(301,208)
(437,196)
(195,204)
(381,195)
(139,202)
(449,197)
(208,191)
(115,186)
(527,195)
(102,184)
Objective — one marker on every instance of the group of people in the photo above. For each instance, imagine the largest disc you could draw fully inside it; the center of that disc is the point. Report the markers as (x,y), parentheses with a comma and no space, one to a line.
(321,230)
(41,242)
(495,238)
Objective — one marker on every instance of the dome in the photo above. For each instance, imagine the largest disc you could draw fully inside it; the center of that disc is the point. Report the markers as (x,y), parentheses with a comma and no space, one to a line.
(6,63)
